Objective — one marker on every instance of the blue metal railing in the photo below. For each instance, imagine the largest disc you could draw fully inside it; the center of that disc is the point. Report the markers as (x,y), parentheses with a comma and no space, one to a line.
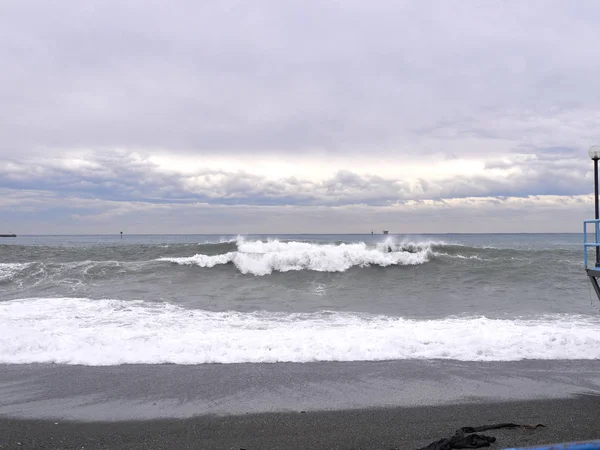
(587,244)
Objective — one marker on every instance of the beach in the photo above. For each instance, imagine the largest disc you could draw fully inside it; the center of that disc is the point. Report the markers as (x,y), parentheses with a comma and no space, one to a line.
(294,342)
(373,429)
(271,225)
(360,405)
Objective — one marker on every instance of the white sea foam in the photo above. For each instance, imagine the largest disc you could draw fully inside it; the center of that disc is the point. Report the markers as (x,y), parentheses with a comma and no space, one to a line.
(9,270)
(395,244)
(459,256)
(111,332)
(263,258)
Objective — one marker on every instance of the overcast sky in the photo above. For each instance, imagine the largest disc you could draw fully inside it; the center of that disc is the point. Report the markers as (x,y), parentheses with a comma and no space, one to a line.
(289,116)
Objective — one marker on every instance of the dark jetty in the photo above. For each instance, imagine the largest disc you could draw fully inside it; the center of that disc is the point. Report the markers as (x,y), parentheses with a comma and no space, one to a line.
(8,235)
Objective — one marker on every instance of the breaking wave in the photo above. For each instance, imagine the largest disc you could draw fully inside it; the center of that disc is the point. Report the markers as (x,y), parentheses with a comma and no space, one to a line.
(266,257)
(113,332)
(9,270)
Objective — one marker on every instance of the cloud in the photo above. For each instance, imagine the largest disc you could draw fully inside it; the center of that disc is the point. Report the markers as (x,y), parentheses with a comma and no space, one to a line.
(294,105)
(58,215)
(283,77)
(132,177)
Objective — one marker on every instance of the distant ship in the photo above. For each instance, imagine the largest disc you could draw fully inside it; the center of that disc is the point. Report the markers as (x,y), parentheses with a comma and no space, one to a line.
(385,231)
(8,235)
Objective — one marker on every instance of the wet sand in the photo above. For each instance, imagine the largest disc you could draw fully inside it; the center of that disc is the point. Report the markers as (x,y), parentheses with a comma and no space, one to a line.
(390,428)
(362,405)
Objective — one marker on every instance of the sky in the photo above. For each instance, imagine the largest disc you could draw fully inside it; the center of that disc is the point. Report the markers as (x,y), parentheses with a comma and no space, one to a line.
(312,116)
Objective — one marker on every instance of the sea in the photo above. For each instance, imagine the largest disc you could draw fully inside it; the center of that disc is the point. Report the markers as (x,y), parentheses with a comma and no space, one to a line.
(206,299)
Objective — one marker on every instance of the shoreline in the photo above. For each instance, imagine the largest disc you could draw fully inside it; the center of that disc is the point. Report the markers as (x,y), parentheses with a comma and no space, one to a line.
(564,420)
(359,405)
(147,392)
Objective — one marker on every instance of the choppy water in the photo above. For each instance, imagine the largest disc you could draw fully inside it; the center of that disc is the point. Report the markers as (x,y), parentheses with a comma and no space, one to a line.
(100,300)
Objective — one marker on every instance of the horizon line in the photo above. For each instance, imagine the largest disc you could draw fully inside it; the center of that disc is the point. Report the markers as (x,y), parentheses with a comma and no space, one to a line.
(292,234)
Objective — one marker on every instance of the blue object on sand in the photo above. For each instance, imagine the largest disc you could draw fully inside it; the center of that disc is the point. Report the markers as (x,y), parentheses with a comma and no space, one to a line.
(589,445)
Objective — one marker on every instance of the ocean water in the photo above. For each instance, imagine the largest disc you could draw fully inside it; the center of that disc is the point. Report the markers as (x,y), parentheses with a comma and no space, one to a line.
(199,299)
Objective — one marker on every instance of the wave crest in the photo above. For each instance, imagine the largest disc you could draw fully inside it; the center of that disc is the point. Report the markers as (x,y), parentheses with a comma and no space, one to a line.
(265,257)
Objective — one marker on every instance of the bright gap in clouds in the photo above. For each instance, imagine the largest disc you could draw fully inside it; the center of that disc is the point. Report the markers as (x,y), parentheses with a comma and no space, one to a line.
(321,167)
